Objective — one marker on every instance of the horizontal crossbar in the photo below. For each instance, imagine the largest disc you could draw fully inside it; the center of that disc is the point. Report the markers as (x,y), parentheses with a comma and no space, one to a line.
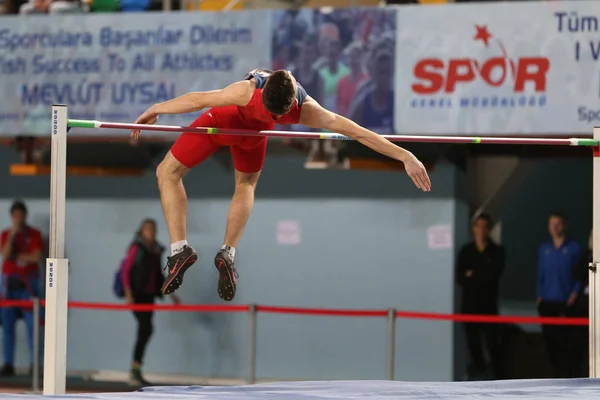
(75,123)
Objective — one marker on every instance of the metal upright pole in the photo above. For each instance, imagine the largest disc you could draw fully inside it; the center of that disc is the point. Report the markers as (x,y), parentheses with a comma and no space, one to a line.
(251,344)
(391,343)
(594,285)
(36,345)
(57,267)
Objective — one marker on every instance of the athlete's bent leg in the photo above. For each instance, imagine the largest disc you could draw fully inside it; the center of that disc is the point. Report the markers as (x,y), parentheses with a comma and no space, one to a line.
(248,163)
(239,211)
(170,173)
(240,207)
(188,151)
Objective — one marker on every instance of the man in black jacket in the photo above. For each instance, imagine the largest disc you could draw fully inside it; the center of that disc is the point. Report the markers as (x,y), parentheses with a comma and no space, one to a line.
(478,271)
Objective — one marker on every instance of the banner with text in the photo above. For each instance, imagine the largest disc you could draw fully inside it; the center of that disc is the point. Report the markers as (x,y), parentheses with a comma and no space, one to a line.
(509,68)
(103,68)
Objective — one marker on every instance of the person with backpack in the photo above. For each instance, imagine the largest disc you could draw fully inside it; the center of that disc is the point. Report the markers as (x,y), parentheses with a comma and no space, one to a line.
(139,281)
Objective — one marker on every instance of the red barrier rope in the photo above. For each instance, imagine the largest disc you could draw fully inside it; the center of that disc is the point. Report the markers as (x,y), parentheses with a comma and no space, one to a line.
(160,307)
(321,311)
(136,307)
(494,319)
(490,319)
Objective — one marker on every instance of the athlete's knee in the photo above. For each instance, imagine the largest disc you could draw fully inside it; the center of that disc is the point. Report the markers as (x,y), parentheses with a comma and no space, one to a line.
(245,180)
(170,169)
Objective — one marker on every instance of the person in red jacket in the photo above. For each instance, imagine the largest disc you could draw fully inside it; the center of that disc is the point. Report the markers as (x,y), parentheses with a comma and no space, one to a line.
(21,253)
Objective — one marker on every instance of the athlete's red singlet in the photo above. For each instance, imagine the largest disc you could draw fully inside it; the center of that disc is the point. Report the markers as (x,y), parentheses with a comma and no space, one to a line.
(248,152)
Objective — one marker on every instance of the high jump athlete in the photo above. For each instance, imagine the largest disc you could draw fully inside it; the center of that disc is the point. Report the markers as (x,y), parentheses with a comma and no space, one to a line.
(259,101)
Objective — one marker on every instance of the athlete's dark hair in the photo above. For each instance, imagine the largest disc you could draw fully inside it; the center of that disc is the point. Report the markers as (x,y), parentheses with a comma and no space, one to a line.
(278,95)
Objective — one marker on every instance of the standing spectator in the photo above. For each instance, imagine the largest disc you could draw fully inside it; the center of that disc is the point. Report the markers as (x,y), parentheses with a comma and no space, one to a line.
(21,254)
(142,279)
(557,293)
(478,271)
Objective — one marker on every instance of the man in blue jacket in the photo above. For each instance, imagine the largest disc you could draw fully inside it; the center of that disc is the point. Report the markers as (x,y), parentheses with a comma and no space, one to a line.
(557,292)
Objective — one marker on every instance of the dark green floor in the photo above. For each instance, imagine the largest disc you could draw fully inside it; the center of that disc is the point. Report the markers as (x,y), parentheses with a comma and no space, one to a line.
(73,383)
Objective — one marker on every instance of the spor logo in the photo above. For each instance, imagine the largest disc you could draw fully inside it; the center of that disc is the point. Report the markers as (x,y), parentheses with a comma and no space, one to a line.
(498,81)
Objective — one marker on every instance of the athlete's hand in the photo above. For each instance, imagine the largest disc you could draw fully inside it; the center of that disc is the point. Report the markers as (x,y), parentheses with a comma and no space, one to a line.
(149,117)
(417,172)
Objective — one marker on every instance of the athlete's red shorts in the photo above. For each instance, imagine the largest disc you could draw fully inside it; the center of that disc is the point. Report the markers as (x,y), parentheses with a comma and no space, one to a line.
(248,152)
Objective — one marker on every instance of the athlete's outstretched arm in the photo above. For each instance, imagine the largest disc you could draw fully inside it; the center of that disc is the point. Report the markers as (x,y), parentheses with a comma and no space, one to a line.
(315,116)
(236,94)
